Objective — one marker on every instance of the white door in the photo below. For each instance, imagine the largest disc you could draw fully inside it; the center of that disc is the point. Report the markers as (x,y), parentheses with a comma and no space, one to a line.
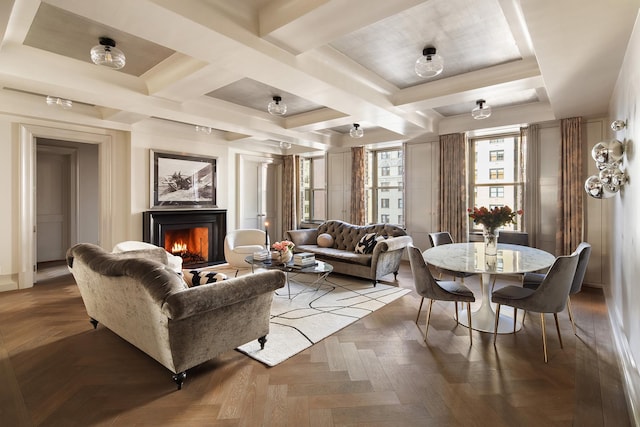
(52,205)
(258,194)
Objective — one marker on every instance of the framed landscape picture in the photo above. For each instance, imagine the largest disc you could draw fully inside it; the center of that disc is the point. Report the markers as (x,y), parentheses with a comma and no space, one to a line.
(182,180)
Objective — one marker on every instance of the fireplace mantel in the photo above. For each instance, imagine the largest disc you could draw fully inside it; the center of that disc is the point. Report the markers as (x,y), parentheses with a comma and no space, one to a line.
(157,222)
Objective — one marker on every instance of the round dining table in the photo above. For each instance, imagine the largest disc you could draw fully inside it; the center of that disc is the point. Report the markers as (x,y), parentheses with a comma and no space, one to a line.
(470,258)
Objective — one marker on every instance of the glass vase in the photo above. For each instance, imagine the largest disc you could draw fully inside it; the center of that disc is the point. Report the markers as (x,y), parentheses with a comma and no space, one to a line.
(490,241)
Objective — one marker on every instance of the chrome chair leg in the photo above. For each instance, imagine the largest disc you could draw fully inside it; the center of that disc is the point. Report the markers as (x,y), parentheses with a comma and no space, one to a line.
(515,319)
(456,303)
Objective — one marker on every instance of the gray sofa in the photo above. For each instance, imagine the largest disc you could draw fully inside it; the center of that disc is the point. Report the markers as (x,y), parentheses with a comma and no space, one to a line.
(139,298)
(384,259)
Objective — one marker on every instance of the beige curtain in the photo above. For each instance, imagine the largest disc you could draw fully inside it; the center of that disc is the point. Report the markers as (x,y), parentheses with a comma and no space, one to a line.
(531,169)
(290,192)
(452,204)
(358,213)
(570,192)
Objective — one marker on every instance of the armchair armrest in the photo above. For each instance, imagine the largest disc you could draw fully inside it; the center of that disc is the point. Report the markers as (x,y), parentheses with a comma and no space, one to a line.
(306,236)
(200,299)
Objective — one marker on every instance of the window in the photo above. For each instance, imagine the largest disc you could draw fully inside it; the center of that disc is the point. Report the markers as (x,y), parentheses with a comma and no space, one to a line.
(483,190)
(496,155)
(313,189)
(496,173)
(384,190)
(496,191)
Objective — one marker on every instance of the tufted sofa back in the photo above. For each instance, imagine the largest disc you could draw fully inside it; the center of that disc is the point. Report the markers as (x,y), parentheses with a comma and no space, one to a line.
(346,236)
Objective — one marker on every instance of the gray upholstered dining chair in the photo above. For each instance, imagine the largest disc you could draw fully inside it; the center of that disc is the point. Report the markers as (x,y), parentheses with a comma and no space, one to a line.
(428,287)
(438,239)
(550,297)
(513,237)
(533,280)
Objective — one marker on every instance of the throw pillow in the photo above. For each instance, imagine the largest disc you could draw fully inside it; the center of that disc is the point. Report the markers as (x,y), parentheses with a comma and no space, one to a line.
(325,240)
(366,244)
(197,278)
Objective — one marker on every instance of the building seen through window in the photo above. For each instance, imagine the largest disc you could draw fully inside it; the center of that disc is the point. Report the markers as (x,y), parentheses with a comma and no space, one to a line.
(313,189)
(498,178)
(384,189)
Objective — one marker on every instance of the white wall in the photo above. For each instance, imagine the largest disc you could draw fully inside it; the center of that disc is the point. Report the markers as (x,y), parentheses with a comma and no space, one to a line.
(624,241)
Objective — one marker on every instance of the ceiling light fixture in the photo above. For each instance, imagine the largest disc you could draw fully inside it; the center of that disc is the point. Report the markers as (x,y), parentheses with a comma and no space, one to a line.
(482,110)
(430,64)
(65,104)
(203,129)
(276,107)
(285,145)
(355,131)
(107,54)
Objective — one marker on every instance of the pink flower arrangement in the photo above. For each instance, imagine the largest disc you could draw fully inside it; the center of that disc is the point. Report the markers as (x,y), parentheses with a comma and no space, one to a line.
(284,245)
(494,218)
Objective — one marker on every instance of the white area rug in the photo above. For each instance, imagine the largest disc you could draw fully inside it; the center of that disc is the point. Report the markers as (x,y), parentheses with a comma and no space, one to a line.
(311,315)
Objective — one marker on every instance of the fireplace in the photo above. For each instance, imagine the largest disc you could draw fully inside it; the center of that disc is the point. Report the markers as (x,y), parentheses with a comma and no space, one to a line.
(196,235)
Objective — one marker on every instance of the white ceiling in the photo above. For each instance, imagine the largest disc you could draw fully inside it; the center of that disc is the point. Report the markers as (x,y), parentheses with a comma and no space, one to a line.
(218,63)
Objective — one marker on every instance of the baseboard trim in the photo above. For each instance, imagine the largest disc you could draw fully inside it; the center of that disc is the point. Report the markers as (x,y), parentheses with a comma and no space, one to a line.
(630,372)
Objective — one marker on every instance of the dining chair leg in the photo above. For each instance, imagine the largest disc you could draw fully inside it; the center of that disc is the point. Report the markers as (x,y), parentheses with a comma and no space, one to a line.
(469,320)
(515,319)
(555,316)
(573,324)
(524,315)
(495,329)
(456,303)
(419,308)
(426,330)
(544,337)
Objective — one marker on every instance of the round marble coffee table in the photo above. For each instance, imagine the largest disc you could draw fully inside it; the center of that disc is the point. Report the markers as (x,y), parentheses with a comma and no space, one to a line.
(470,258)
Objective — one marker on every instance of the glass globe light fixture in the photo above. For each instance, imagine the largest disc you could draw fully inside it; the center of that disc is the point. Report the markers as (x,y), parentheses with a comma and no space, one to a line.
(482,110)
(430,64)
(107,54)
(355,131)
(600,152)
(65,104)
(615,151)
(612,178)
(618,125)
(276,107)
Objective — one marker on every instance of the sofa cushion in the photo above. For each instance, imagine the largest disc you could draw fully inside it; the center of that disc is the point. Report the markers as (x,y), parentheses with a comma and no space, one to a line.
(336,255)
(325,240)
(366,244)
(197,277)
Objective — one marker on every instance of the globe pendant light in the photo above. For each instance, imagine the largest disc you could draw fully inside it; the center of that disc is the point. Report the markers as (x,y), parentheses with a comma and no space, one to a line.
(355,131)
(482,111)
(429,64)
(107,54)
(277,107)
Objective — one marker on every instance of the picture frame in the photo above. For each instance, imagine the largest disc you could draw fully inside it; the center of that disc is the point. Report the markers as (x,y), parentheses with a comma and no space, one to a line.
(182,180)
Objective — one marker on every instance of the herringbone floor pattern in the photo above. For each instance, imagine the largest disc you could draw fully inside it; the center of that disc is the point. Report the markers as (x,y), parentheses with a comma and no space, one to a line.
(55,370)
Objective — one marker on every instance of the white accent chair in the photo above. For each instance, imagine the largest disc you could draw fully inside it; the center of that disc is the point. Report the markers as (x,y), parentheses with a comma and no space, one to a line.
(239,244)
(173,261)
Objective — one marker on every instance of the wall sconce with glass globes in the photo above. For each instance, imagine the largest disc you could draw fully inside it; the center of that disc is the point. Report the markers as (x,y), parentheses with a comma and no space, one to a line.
(608,156)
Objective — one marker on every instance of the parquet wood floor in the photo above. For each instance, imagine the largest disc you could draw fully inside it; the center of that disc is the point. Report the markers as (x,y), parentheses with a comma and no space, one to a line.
(55,370)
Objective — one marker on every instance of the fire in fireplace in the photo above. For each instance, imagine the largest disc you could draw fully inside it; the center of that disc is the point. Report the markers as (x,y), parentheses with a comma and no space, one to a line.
(197,235)
(192,244)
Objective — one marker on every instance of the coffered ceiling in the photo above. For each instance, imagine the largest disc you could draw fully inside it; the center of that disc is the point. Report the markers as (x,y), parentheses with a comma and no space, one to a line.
(218,63)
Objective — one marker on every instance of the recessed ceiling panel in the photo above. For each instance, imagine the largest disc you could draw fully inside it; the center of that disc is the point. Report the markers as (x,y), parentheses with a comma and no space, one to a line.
(468,34)
(509,100)
(59,31)
(253,94)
